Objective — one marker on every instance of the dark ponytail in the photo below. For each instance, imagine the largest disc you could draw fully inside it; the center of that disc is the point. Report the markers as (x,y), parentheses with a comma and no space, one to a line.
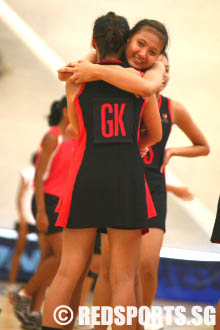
(110,33)
(56,112)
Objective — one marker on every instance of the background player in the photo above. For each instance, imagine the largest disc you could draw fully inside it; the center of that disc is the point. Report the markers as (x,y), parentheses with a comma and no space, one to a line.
(26,223)
(52,167)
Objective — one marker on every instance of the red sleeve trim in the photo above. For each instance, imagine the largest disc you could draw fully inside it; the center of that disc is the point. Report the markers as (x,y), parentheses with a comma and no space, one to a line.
(160,102)
(170,110)
(139,127)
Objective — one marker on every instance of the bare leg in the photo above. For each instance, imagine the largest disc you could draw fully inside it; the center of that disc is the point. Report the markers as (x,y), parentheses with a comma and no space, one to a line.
(217,326)
(89,280)
(77,247)
(139,295)
(102,293)
(19,249)
(46,252)
(76,296)
(124,243)
(86,290)
(150,257)
(47,269)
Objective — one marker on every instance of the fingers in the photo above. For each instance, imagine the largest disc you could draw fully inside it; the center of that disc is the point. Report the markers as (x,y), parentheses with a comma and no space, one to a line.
(143,150)
(66,69)
(162,168)
(71,64)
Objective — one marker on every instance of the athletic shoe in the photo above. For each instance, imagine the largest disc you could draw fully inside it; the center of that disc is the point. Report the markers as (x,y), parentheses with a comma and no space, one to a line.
(21,306)
(34,321)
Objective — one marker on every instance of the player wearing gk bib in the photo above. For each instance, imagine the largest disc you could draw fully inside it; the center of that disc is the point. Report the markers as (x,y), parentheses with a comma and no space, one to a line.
(106,184)
(109,180)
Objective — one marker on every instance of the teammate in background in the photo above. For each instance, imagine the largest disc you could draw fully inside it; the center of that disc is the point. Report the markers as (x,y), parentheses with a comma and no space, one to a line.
(26,223)
(171,112)
(52,168)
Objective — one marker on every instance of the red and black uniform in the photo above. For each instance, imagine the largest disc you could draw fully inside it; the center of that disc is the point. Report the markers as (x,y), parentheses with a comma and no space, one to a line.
(216,230)
(153,161)
(55,177)
(106,186)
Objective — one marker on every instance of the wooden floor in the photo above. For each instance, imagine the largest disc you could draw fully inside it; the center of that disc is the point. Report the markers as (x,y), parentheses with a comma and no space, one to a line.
(7,318)
(9,322)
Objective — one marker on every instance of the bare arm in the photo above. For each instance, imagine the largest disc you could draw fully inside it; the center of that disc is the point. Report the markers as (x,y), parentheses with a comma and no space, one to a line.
(49,143)
(20,195)
(151,117)
(181,192)
(183,120)
(64,76)
(91,57)
(123,78)
(154,76)
(71,92)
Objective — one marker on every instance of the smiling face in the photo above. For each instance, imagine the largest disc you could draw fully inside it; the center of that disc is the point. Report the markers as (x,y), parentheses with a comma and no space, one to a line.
(143,48)
(166,76)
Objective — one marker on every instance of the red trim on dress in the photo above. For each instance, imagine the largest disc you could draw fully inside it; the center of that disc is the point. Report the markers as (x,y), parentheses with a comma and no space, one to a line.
(171,112)
(160,102)
(63,207)
(150,204)
(139,126)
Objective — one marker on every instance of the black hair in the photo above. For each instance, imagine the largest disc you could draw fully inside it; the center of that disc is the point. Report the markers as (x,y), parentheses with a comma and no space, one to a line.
(155,26)
(110,32)
(34,158)
(56,111)
(166,55)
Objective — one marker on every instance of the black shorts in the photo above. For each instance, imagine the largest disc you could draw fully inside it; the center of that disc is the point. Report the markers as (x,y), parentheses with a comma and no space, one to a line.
(31,228)
(97,247)
(51,202)
(216,230)
(157,185)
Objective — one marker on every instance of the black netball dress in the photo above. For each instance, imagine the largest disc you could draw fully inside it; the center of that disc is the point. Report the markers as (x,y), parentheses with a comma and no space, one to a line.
(216,230)
(106,186)
(152,163)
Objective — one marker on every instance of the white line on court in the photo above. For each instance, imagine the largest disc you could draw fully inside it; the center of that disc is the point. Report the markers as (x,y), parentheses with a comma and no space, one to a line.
(200,214)
(171,253)
(30,38)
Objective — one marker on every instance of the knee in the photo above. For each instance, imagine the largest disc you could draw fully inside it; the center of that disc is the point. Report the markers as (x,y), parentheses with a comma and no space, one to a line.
(149,270)
(57,256)
(105,272)
(122,278)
